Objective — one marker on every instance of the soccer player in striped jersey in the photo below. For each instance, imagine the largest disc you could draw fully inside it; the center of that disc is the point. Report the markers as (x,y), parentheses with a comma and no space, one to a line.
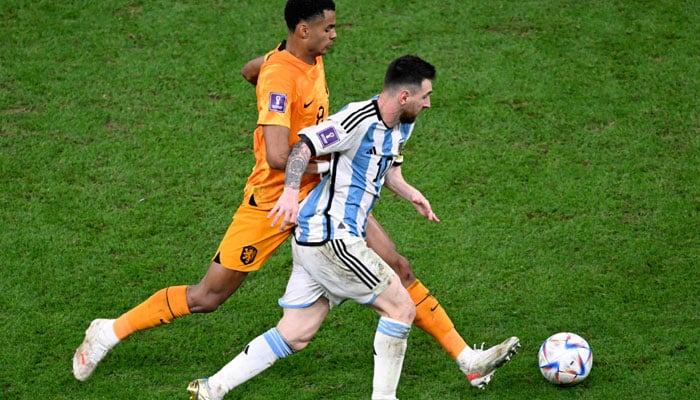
(332,262)
(431,317)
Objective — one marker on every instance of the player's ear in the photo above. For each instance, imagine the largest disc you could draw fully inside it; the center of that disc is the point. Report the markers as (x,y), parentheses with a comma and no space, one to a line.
(303,30)
(403,96)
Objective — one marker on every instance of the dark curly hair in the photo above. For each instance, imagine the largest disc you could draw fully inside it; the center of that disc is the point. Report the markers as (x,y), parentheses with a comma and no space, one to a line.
(303,10)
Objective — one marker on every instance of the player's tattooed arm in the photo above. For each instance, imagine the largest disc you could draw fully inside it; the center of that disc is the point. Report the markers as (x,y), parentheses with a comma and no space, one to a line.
(296,165)
(287,206)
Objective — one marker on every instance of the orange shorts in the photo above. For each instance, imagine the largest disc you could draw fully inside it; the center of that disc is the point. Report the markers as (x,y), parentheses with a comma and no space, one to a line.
(250,240)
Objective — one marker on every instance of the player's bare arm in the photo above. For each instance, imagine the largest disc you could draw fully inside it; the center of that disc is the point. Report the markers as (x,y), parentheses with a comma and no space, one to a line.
(287,205)
(251,70)
(277,150)
(395,182)
(296,165)
(276,145)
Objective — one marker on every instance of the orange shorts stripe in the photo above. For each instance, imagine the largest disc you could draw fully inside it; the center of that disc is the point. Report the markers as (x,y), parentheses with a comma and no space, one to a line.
(250,240)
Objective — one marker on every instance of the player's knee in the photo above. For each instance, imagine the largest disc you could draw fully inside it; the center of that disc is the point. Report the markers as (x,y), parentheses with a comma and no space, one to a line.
(298,345)
(298,341)
(403,269)
(201,300)
(411,311)
(407,312)
(210,304)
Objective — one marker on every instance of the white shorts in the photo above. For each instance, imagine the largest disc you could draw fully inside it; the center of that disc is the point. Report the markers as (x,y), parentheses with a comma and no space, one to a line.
(340,269)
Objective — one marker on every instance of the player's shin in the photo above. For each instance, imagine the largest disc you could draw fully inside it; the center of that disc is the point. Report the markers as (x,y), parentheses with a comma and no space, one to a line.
(390,343)
(161,308)
(432,318)
(258,355)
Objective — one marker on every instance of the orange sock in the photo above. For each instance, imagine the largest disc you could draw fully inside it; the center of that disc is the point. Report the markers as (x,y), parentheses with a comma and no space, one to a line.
(161,308)
(432,318)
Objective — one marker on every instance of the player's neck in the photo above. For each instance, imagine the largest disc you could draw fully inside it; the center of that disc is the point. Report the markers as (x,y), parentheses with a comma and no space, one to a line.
(389,110)
(296,47)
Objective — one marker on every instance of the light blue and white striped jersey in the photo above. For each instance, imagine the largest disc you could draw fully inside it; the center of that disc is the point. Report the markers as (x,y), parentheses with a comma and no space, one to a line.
(362,150)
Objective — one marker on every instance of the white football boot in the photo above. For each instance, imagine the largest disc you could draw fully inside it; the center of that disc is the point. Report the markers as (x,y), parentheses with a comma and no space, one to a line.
(199,390)
(99,340)
(479,365)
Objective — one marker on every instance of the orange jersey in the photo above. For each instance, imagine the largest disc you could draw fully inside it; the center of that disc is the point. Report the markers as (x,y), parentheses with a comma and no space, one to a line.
(293,94)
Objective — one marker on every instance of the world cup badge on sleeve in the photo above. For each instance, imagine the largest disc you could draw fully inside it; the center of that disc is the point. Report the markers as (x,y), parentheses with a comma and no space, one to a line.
(278,102)
(328,136)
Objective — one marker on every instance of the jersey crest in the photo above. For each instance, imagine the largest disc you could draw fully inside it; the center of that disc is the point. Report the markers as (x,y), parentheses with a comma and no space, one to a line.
(248,254)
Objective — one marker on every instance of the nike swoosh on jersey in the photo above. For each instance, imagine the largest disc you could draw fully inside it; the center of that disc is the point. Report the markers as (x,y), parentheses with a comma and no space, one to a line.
(306,105)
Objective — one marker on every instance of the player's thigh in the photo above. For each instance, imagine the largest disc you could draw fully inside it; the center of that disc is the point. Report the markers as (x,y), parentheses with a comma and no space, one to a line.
(379,241)
(299,325)
(346,269)
(218,284)
(250,240)
(305,307)
(395,303)
(302,289)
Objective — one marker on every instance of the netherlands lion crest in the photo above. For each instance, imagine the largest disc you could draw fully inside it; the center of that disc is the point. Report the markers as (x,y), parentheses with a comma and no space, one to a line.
(248,254)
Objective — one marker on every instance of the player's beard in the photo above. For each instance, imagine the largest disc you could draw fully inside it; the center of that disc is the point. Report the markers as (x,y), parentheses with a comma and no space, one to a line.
(407,119)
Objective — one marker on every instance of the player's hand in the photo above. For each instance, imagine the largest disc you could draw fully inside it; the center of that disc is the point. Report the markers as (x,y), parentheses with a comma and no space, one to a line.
(317,167)
(423,206)
(286,209)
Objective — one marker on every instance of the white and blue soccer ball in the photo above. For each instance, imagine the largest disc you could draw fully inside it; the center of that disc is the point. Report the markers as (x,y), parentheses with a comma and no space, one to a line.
(565,359)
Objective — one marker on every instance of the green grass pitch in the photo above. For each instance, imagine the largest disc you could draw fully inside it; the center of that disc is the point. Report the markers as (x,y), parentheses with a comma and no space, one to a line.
(562,154)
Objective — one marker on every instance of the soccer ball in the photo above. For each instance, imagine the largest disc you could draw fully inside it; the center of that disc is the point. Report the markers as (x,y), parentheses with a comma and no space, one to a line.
(565,359)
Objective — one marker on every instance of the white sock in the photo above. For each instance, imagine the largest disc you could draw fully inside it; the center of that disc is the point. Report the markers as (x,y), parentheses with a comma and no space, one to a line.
(107,335)
(465,358)
(257,356)
(390,343)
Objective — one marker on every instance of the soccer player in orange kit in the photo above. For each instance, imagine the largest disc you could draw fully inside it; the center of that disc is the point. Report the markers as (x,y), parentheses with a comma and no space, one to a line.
(292,94)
